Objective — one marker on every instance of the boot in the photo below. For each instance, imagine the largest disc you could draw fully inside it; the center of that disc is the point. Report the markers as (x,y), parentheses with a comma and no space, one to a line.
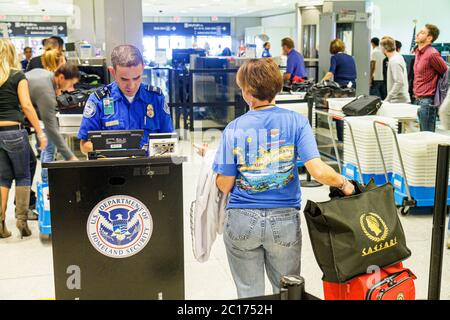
(32,215)
(22,207)
(4,233)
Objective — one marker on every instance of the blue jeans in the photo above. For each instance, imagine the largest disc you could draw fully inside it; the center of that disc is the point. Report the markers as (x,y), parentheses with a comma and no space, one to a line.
(427,114)
(48,155)
(377,89)
(14,158)
(258,239)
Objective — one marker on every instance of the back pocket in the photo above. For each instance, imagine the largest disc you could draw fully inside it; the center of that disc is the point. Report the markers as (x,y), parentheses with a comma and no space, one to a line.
(286,228)
(240,224)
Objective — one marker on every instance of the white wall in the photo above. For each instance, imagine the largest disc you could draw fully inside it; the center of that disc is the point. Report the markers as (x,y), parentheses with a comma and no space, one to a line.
(285,20)
(277,28)
(395,18)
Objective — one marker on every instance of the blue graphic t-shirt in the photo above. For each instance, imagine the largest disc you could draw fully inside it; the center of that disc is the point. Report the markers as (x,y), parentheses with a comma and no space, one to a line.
(261,149)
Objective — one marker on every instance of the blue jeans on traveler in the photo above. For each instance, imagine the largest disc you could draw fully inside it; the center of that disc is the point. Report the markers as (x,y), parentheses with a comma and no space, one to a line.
(427,114)
(262,238)
(377,89)
(14,158)
(48,155)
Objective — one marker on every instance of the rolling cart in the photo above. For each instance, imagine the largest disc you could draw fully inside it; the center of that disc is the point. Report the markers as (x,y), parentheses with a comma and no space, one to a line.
(358,175)
(404,203)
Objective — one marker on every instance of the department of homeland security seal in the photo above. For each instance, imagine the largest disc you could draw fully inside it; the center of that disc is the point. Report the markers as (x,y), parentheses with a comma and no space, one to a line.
(119,226)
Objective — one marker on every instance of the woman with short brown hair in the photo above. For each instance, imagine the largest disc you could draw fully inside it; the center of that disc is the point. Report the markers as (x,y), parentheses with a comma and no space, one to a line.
(342,66)
(256,164)
(343,71)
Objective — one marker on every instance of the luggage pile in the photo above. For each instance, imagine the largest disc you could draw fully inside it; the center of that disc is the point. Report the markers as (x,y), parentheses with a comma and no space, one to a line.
(329,89)
(359,244)
(367,149)
(419,154)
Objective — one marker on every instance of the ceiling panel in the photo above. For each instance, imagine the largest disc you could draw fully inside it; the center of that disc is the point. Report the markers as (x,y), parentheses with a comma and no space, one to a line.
(36,7)
(222,8)
(170,8)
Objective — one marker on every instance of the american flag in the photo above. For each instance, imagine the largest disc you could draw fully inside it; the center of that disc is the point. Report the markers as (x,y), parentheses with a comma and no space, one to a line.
(413,41)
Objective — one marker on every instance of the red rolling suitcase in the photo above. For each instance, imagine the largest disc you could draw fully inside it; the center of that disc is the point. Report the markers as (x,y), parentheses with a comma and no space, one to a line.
(391,283)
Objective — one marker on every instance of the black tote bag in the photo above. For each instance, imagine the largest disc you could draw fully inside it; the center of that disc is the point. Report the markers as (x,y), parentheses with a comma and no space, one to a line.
(351,234)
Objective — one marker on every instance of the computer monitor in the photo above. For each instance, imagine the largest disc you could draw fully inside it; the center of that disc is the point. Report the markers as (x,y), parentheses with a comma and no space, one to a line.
(70,47)
(183,56)
(116,139)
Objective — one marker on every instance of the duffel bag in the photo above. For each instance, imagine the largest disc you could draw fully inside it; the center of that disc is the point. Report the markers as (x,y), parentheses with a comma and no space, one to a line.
(363,106)
(329,89)
(73,102)
(349,235)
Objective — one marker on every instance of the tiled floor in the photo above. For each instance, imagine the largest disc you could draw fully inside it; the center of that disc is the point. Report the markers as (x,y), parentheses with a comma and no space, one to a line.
(26,267)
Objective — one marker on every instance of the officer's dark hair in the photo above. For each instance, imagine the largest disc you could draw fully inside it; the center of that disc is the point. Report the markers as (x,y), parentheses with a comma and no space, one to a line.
(126,56)
(69,71)
(59,40)
(266,44)
(398,44)
(53,43)
(26,48)
(375,41)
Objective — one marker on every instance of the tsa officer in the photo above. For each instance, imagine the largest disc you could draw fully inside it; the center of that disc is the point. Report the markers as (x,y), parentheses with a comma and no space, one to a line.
(125,104)
(296,70)
(266,52)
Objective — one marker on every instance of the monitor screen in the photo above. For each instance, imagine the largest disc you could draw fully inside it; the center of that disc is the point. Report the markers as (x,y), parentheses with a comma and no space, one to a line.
(116,139)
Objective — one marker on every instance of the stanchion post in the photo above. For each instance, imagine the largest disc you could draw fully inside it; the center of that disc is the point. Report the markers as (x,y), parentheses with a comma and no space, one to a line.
(439,215)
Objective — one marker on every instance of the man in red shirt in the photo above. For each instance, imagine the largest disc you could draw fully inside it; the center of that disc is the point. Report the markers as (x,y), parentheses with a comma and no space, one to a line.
(428,68)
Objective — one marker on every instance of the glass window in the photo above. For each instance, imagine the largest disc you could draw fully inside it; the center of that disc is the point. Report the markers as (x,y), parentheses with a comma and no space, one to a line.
(149,49)
(214,44)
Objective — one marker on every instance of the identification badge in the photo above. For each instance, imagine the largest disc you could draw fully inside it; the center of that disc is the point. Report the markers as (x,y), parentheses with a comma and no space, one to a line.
(150,111)
(108,106)
(112,123)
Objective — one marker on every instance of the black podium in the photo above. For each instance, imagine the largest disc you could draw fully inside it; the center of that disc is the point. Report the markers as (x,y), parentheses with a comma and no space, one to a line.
(117,229)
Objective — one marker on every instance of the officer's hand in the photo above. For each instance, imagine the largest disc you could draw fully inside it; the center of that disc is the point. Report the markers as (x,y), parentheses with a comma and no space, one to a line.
(43,142)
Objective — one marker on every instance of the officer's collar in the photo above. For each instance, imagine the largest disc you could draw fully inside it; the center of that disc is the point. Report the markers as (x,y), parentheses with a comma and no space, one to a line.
(118,95)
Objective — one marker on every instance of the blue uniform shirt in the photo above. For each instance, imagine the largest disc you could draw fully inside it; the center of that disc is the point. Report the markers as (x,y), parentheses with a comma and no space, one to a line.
(147,112)
(296,64)
(261,149)
(266,54)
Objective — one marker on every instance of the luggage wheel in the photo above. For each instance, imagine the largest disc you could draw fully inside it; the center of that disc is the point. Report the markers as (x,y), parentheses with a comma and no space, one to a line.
(45,238)
(404,211)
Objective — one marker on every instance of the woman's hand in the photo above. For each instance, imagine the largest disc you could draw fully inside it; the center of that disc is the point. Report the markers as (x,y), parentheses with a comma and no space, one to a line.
(43,142)
(349,189)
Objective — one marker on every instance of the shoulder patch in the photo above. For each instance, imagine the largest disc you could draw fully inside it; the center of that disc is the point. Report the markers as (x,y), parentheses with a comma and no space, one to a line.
(153,89)
(90,109)
(166,108)
(102,93)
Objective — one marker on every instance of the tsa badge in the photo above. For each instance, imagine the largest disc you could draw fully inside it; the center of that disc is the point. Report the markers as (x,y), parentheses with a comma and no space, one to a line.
(150,111)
